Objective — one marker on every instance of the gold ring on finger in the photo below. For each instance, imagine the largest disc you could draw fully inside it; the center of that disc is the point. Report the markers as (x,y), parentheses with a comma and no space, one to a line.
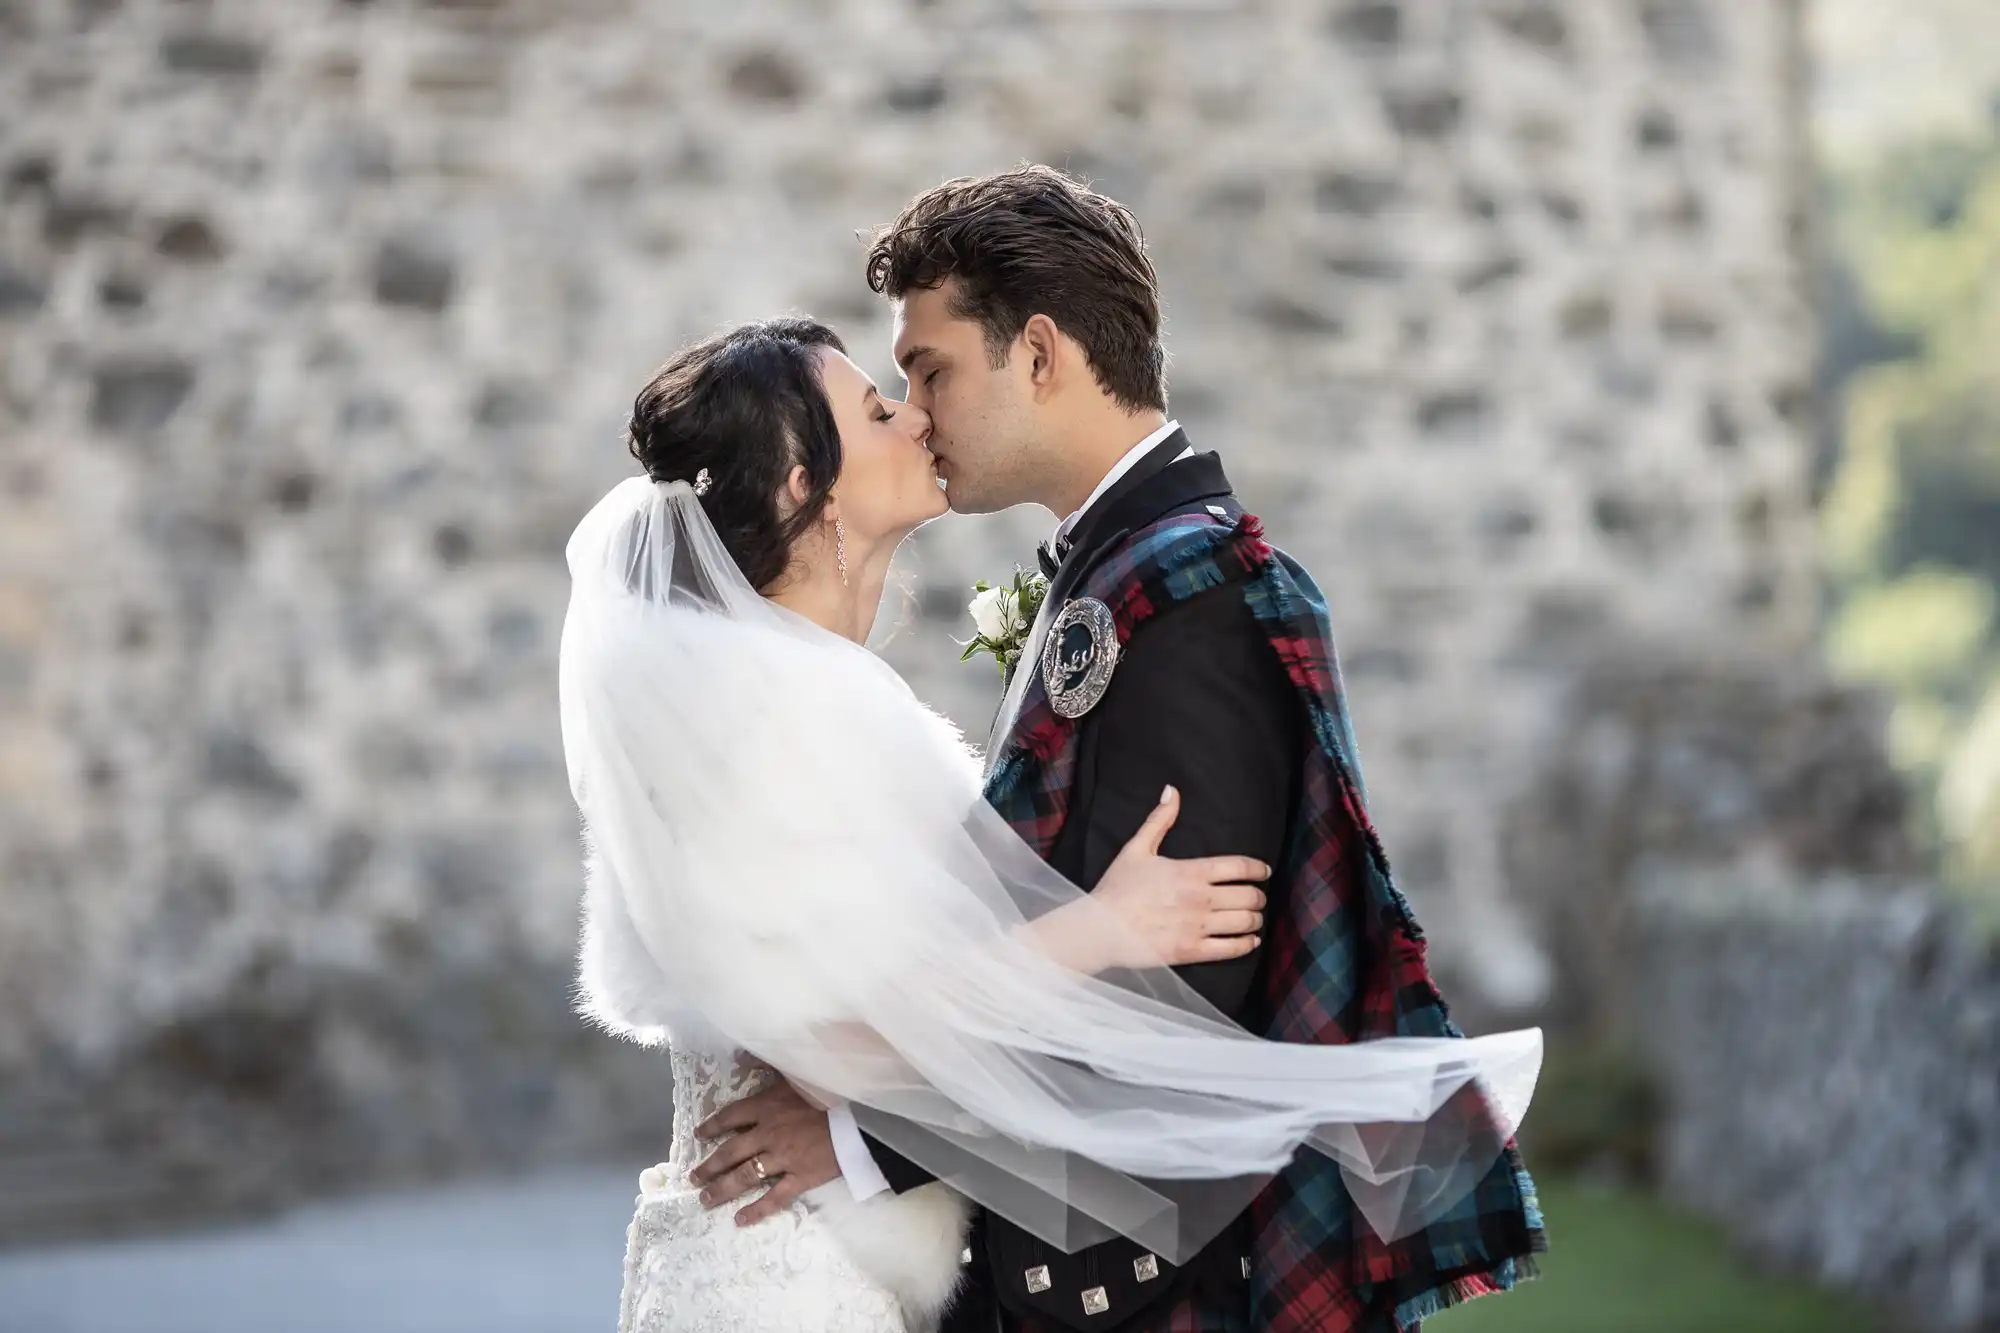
(757,1165)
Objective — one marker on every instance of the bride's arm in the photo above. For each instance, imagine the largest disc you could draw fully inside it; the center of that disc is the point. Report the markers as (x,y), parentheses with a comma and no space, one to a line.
(1152,911)
(1054,937)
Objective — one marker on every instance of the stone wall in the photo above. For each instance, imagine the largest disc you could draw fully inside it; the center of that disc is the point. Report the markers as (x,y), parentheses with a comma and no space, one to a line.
(1671,761)
(1832,1061)
(319,320)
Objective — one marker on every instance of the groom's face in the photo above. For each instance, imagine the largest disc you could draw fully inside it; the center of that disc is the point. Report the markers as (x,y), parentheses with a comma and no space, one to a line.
(982,416)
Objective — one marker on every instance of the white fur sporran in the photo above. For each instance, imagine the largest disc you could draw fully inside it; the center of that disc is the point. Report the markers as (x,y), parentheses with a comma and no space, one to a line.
(912,1243)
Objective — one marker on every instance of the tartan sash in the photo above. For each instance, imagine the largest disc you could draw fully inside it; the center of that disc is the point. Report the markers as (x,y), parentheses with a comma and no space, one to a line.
(1345,957)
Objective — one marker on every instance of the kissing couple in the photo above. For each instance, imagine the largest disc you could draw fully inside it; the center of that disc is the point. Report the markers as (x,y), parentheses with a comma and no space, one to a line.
(1123,1025)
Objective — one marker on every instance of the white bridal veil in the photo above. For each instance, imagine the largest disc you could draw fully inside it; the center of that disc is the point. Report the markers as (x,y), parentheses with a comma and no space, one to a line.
(789,854)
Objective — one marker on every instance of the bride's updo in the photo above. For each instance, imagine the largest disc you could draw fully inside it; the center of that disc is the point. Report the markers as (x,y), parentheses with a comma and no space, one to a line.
(748,406)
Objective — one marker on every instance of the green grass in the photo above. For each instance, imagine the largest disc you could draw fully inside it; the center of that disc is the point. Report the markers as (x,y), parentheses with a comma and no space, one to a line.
(1621,1262)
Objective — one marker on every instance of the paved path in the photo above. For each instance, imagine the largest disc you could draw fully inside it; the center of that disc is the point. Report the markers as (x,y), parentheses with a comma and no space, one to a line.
(536,1255)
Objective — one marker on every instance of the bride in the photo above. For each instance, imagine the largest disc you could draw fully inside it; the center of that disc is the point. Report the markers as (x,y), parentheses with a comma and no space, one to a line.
(791,873)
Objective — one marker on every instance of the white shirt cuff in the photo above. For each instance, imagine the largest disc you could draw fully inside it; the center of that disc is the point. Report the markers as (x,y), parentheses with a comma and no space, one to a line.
(857,1165)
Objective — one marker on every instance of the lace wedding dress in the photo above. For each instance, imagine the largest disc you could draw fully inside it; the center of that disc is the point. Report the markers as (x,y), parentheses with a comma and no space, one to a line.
(825,1265)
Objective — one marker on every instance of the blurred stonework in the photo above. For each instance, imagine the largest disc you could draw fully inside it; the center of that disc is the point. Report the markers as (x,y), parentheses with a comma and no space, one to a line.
(1713,768)
(319,321)
(1834,1060)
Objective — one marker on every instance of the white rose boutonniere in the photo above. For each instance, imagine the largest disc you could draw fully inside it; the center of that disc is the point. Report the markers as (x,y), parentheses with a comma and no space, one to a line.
(1002,614)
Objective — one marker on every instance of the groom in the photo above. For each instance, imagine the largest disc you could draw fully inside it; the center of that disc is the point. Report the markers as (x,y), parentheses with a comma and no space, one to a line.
(1183,650)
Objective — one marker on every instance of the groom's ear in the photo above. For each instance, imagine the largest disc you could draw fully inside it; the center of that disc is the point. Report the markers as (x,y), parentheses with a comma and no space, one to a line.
(1042,342)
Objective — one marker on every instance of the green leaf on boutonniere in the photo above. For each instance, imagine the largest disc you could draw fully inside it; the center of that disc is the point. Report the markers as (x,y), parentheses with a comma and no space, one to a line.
(1002,615)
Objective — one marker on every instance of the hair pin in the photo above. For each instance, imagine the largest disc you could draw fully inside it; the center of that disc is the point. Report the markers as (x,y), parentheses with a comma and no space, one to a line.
(702,481)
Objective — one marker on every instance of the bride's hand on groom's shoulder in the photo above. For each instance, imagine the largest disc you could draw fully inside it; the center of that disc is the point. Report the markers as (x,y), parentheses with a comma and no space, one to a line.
(1174,912)
(777,1128)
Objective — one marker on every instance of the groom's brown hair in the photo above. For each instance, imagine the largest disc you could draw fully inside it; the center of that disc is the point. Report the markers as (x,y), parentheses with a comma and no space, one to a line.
(1032,241)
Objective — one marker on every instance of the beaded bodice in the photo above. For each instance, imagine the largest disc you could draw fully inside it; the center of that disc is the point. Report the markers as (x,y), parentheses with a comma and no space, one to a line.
(704,1083)
(691,1269)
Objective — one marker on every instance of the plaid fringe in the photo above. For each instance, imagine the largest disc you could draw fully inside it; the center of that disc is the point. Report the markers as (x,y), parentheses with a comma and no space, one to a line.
(1509,1274)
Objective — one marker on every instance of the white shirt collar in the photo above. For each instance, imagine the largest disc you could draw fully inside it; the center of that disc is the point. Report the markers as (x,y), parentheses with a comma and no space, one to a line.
(1119,469)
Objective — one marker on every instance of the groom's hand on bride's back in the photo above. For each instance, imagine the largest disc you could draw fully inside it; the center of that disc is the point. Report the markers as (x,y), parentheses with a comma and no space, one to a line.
(777,1127)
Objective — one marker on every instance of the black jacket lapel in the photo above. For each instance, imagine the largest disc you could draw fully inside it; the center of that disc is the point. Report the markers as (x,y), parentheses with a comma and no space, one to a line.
(1141,496)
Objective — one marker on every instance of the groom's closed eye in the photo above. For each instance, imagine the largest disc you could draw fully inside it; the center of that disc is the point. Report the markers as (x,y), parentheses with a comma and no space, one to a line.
(920,365)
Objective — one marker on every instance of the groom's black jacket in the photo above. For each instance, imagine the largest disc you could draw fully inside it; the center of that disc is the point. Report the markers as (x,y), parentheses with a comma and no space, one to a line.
(1198,700)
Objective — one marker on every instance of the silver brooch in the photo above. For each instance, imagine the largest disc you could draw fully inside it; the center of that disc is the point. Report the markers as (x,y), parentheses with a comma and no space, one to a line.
(1079,657)
(701,483)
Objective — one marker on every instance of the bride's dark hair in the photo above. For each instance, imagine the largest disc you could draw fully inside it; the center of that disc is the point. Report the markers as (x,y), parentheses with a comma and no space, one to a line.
(747,406)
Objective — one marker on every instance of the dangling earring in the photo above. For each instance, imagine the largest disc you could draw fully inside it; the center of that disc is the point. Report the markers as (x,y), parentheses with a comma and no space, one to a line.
(840,549)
